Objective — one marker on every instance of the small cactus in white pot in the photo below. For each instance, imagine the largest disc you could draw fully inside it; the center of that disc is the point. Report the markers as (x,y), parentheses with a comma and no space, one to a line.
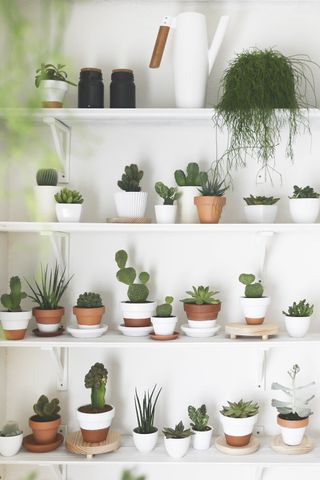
(177,440)
(254,304)
(131,202)
(167,212)
(68,205)
(164,322)
(45,190)
(297,318)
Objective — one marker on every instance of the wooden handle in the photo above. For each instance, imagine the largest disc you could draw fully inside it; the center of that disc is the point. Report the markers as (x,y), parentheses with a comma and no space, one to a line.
(159,47)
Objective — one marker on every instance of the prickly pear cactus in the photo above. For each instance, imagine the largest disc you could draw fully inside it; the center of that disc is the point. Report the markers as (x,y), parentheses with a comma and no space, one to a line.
(252,289)
(11,301)
(137,292)
(165,310)
(192,178)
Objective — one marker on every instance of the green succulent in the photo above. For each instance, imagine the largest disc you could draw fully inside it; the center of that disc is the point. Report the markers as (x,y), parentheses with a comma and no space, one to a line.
(199,418)
(306,192)
(10,429)
(253,200)
(213,188)
(48,71)
(11,301)
(145,410)
(96,379)
(169,194)
(137,292)
(89,300)
(240,409)
(46,410)
(68,196)
(192,178)
(177,432)
(253,289)
(165,310)
(201,296)
(301,309)
(47,176)
(131,178)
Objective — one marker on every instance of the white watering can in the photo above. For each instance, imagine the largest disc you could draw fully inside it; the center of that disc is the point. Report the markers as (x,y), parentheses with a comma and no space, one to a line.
(192,60)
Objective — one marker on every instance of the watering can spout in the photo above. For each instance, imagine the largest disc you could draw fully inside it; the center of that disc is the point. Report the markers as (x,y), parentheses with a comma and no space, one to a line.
(217,41)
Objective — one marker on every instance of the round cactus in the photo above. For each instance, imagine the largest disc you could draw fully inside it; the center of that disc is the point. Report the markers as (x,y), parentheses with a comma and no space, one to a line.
(89,300)
(252,290)
(165,310)
(47,176)
(138,293)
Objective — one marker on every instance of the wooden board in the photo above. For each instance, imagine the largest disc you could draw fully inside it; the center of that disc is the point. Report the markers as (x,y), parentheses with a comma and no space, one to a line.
(279,446)
(75,444)
(264,330)
(129,220)
(223,447)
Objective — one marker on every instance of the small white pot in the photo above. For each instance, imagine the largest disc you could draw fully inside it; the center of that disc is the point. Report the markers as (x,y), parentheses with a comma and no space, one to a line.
(68,212)
(10,446)
(45,203)
(202,324)
(137,310)
(292,431)
(187,211)
(131,204)
(297,326)
(304,210)
(255,309)
(95,421)
(261,213)
(145,442)
(238,427)
(15,320)
(164,325)
(48,327)
(177,447)
(166,213)
(53,90)
(202,440)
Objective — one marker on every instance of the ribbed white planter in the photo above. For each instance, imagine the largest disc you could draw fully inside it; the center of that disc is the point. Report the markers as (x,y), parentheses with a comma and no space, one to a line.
(95,421)
(304,210)
(145,442)
(254,308)
(68,212)
(131,204)
(137,310)
(45,203)
(297,327)
(202,440)
(177,447)
(166,213)
(15,321)
(53,90)
(292,431)
(164,325)
(261,213)
(10,446)
(187,211)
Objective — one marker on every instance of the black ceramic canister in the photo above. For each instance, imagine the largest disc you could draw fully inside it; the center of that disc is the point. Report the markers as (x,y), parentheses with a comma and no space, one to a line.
(122,89)
(90,88)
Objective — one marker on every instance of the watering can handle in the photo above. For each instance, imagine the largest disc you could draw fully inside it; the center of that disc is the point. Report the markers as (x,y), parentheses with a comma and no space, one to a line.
(160,44)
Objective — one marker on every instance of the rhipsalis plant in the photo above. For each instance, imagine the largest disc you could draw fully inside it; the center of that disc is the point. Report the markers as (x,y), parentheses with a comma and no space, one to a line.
(201,296)
(301,309)
(240,409)
(47,176)
(12,301)
(165,309)
(68,196)
(10,429)
(46,410)
(145,410)
(48,71)
(96,380)
(131,178)
(297,406)
(253,289)
(178,432)
(137,292)
(89,300)
(253,200)
(192,178)
(199,418)
(168,194)
(306,192)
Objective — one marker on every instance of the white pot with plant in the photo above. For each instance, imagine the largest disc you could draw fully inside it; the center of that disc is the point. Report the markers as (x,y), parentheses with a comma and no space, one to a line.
(254,304)
(177,440)
(297,318)
(131,202)
(68,205)
(188,188)
(53,84)
(14,321)
(304,205)
(201,439)
(238,420)
(145,435)
(167,212)
(89,310)
(45,190)
(164,322)
(260,209)
(10,439)
(211,200)
(293,415)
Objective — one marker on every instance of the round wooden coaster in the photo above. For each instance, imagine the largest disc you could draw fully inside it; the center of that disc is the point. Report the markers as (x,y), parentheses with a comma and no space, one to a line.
(129,220)
(265,330)
(174,336)
(279,446)
(30,445)
(59,332)
(223,447)
(75,444)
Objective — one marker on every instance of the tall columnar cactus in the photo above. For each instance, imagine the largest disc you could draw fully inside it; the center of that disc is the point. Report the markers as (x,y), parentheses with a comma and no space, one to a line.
(47,176)
(131,178)
(11,301)
(96,379)
(192,178)
(253,289)
(45,409)
(165,310)
(137,292)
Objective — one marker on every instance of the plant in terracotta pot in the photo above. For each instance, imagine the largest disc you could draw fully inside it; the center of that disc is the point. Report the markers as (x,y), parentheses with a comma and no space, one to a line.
(177,440)
(10,439)
(202,431)
(95,419)
(297,318)
(201,307)
(260,209)
(131,202)
(188,183)
(47,294)
(45,190)
(14,320)
(46,421)
(238,420)
(53,83)
(137,311)
(254,304)
(293,415)
(167,212)
(212,200)
(163,321)
(304,205)
(68,205)
(89,310)
(145,435)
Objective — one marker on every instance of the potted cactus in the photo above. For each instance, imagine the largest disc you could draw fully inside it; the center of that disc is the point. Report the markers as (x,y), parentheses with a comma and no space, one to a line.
(89,310)
(238,420)
(145,435)
(211,200)
(293,415)
(164,322)
(201,307)
(14,321)
(202,431)
(260,209)
(10,439)
(188,183)
(95,419)
(177,440)
(137,311)
(53,84)
(46,421)
(304,205)
(254,304)
(167,212)
(45,190)
(68,205)
(131,202)
(297,318)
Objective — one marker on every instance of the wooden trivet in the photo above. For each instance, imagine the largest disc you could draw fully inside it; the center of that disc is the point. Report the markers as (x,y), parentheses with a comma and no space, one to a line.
(223,447)
(75,444)
(279,446)
(243,330)
(129,220)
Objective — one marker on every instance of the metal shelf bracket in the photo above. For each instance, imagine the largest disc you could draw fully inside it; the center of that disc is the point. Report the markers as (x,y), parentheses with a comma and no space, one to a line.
(264,243)
(60,471)
(61,136)
(259,473)
(60,245)
(59,356)
(262,368)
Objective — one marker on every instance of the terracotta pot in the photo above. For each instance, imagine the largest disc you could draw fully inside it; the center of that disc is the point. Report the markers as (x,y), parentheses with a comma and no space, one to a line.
(202,312)
(89,317)
(292,431)
(238,431)
(44,432)
(137,314)
(48,320)
(234,441)
(137,322)
(15,324)
(209,208)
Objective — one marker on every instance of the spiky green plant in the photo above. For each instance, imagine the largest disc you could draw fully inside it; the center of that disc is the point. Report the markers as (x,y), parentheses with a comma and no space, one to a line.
(49,290)
(260,200)
(240,409)
(46,410)
(137,292)
(129,475)
(168,194)
(96,379)
(165,309)
(10,429)
(306,192)
(199,418)
(89,300)
(48,71)
(192,178)
(12,301)
(177,432)
(253,289)
(300,309)
(131,178)
(68,196)
(145,411)
(47,176)
(201,296)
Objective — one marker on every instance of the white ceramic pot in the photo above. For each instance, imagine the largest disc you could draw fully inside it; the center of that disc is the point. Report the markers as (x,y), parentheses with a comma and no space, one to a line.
(48,327)
(137,310)
(45,203)
(202,324)
(304,210)
(261,213)
(166,213)
(292,431)
(68,212)
(202,440)
(187,211)
(145,442)
(164,325)
(15,322)
(297,327)
(255,309)
(177,447)
(95,421)
(10,446)
(238,427)
(53,90)
(131,204)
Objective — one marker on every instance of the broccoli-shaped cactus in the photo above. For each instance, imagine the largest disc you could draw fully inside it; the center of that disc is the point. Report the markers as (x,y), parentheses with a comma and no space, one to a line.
(199,418)
(253,289)
(10,429)
(46,410)
(168,194)
(177,432)
(96,379)
(165,310)
(131,178)
(137,292)
(68,196)
(47,176)
(89,300)
(192,178)
(11,301)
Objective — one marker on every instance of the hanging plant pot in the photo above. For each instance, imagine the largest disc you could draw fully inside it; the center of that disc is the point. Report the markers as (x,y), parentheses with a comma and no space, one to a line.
(48,320)
(292,431)
(209,208)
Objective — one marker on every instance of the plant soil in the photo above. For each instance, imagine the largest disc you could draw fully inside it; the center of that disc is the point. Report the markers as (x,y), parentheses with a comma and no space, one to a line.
(90,409)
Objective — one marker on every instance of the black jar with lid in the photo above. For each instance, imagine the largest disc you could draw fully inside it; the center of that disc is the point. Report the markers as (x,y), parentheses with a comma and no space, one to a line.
(90,88)
(122,89)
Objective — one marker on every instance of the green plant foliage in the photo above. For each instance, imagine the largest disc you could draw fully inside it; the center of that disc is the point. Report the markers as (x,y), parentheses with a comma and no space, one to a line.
(89,300)
(47,176)
(131,178)
(201,296)
(306,192)
(48,71)
(68,196)
(253,200)
(301,309)
(192,178)
(169,194)
(253,289)
(177,432)
(145,410)
(46,410)
(10,429)
(12,301)
(129,475)
(96,379)
(165,309)
(199,418)
(137,292)
(240,409)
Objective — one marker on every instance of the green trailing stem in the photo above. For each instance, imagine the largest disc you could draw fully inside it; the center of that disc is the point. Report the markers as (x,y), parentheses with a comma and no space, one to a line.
(89,300)
(47,176)
(137,292)
(131,178)
(45,409)
(165,309)
(253,289)
(96,379)
(300,309)
(12,301)
(192,178)
(240,409)
(260,200)
(168,194)
(306,192)
(68,196)
(201,296)
(199,418)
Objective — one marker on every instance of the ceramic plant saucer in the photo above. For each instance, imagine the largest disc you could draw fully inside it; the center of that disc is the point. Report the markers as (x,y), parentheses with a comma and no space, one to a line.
(135,331)
(30,445)
(37,333)
(199,332)
(77,332)
(174,336)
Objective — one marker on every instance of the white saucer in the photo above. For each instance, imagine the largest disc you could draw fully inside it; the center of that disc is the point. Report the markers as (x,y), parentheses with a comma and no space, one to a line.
(199,332)
(135,331)
(77,332)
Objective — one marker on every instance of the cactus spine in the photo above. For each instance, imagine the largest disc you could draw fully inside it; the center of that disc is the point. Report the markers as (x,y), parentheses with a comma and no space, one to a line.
(137,292)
